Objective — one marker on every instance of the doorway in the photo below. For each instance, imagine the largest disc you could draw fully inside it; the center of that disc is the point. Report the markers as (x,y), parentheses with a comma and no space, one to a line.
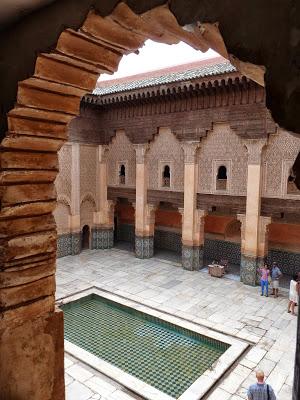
(85,237)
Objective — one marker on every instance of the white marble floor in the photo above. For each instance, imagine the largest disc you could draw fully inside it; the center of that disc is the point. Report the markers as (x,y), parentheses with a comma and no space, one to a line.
(221,304)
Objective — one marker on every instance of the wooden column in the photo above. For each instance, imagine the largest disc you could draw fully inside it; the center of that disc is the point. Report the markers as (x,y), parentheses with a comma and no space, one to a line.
(252,223)
(103,231)
(193,219)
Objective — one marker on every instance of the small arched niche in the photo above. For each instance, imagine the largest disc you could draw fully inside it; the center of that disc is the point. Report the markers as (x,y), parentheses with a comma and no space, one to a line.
(221,181)
(122,174)
(166,176)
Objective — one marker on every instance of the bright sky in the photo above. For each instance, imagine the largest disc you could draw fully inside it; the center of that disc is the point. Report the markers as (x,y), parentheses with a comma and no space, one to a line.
(154,56)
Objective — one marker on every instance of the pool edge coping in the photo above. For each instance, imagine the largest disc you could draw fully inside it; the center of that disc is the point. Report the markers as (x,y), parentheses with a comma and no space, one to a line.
(198,388)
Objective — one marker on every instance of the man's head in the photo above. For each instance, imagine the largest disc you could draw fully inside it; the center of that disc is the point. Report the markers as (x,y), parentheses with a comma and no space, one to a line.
(260,376)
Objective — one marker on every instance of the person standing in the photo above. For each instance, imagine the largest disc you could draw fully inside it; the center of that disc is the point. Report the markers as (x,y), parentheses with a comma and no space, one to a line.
(276,274)
(264,279)
(260,390)
(293,294)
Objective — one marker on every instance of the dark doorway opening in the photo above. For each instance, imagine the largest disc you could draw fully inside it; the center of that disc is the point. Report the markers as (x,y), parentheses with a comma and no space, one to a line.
(85,237)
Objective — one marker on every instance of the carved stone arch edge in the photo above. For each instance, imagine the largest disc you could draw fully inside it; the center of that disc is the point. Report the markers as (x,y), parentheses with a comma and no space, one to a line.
(63,199)
(88,197)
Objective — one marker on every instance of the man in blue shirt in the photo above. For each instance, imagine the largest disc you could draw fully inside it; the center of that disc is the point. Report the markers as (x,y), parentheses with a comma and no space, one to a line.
(275,276)
(260,390)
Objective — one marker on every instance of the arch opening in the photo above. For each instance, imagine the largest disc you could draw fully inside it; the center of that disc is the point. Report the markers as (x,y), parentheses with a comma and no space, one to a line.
(85,238)
(166,176)
(291,185)
(122,174)
(221,181)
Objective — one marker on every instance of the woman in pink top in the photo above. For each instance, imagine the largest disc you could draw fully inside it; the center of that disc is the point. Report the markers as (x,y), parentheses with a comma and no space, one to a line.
(264,279)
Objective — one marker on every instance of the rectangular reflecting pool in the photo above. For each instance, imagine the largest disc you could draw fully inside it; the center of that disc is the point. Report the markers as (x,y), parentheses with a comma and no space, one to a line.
(168,357)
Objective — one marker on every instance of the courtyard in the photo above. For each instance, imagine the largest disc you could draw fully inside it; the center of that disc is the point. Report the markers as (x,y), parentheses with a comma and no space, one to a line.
(223,305)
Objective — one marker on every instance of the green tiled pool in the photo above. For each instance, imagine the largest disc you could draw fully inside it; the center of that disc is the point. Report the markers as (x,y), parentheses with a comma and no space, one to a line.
(165,356)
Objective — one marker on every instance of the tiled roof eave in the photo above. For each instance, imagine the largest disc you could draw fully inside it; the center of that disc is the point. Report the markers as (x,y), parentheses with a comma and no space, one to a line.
(165,88)
(202,72)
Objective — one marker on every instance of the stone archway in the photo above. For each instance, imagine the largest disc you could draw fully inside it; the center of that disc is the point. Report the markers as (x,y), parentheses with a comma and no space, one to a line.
(31,328)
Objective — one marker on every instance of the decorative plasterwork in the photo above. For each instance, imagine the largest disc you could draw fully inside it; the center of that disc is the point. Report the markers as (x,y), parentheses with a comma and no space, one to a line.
(190,152)
(254,148)
(141,151)
(103,153)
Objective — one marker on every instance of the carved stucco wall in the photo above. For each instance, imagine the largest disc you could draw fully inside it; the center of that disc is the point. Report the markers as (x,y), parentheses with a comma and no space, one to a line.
(222,147)
(63,179)
(88,171)
(61,215)
(278,158)
(121,151)
(87,209)
(165,150)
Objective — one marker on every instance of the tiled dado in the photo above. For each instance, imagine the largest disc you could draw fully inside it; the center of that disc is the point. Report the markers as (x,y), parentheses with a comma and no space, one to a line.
(167,240)
(288,261)
(126,233)
(68,244)
(144,246)
(220,249)
(102,238)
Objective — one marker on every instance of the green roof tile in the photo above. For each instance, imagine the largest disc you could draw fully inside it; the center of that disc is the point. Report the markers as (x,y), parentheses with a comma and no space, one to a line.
(200,72)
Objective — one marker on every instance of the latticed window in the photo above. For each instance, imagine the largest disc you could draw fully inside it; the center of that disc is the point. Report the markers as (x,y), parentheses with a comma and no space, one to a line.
(221,182)
(291,186)
(122,174)
(166,176)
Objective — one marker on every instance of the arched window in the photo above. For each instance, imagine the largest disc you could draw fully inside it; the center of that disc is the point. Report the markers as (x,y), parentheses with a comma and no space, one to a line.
(122,174)
(221,182)
(166,176)
(291,186)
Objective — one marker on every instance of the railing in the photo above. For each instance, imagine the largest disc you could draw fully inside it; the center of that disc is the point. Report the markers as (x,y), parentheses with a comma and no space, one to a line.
(292,188)
(221,184)
(166,182)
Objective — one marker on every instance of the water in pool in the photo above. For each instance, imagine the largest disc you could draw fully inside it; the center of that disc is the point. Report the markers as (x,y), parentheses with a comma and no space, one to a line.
(161,354)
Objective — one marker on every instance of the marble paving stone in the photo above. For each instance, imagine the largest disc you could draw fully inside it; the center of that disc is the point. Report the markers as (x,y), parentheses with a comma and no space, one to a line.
(232,383)
(219,304)
(219,394)
(79,373)
(77,391)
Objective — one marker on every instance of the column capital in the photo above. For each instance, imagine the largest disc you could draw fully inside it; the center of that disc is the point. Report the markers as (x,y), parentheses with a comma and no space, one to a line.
(200,213)
(140,152)
(181,211)
(190,151)
(102,153)
(254,148)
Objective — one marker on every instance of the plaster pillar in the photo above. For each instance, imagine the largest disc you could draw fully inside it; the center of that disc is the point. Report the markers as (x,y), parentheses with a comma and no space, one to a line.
(253,248)
(144,213)
(192,219)
(103,230)
(75,200)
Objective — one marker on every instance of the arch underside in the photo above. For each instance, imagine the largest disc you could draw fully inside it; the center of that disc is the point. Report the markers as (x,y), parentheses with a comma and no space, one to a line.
(37,128)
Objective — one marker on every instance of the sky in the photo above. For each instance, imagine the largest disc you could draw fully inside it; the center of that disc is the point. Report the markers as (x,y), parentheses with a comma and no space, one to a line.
(154,56)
